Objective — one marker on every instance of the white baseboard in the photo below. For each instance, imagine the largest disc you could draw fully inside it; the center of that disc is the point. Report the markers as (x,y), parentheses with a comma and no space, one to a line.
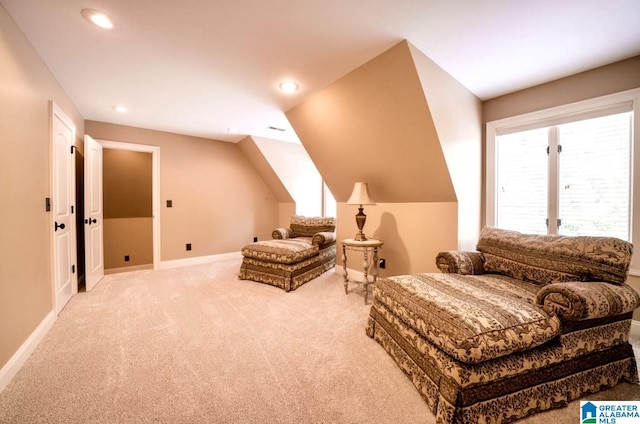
(18,359)
(177,263)
(635,328)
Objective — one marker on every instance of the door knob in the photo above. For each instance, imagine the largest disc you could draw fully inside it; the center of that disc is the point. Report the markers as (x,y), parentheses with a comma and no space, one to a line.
(61,226)
(92,220)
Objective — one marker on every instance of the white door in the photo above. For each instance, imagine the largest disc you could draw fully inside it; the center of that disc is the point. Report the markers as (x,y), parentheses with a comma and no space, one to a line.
(94,254)
(64,234)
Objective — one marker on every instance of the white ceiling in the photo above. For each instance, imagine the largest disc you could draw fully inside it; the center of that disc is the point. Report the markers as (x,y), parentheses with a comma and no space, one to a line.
(200,67)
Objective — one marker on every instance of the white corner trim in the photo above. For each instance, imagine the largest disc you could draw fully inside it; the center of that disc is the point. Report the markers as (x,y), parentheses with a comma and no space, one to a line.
(634,272)
(18,359)
(177,263)
(635,328)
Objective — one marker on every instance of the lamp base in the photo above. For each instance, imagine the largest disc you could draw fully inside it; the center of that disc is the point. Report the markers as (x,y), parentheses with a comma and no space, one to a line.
(361,218)
(360,237)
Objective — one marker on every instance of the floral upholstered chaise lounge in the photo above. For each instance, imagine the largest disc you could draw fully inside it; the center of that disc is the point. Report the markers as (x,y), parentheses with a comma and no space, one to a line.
(295,256)
(524,324)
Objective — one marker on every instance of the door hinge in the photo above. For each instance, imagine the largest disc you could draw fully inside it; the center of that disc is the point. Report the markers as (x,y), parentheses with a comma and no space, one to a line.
(559,149)
(71,208)
(73,269)
(558,222)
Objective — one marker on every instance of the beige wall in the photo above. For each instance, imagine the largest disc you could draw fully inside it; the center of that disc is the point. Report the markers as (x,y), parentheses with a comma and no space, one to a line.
(220,202)
(128,236)
(613,78)
(127,184)
(413,234)
(26,87)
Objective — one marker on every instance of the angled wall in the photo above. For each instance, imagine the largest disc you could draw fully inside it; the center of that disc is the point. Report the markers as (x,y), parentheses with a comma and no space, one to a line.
(457,116)
(297,172)
(376,124)
(286,205)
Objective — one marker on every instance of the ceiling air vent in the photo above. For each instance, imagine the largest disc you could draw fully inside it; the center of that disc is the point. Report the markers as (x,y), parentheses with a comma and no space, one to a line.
(276,128)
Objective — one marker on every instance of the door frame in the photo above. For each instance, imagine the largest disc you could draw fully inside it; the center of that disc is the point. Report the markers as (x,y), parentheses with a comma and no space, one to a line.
(155,195)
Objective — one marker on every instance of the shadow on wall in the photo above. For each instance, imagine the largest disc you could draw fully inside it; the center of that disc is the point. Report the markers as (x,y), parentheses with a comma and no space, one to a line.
(394,250)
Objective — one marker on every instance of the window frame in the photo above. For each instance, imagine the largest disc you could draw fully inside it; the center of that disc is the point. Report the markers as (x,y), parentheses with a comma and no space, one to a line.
(599,106)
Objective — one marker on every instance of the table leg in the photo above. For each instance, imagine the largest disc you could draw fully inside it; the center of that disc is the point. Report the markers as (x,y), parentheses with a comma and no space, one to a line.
(345,275)
(374,271)
(366,276)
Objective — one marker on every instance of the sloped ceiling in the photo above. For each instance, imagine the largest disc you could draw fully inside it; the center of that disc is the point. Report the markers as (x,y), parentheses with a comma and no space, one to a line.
(202,67)
(374,125)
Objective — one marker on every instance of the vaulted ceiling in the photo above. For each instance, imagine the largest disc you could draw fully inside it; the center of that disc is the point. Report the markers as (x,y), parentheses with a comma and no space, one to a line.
(204,68)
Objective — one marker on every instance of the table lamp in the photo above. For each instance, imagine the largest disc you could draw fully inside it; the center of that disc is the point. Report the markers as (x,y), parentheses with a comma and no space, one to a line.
(360,197)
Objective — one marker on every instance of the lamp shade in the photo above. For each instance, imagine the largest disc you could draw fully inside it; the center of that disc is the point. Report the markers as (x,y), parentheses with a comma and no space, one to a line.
(360,195)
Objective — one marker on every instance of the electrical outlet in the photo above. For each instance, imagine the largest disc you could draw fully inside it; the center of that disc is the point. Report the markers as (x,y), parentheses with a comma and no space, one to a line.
(382,264)
(126,258)
(255,239)
(188,246)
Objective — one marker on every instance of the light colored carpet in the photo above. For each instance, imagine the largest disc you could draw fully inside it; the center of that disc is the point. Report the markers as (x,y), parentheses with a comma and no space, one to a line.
(197,345)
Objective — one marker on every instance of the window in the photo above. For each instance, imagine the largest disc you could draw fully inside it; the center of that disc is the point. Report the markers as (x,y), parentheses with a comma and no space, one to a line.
(329,206)
(586,164)
(522,181)
(594,177)
(567,170)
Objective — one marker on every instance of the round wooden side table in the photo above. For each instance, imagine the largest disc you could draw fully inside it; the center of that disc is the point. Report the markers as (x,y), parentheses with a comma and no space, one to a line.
(366,246)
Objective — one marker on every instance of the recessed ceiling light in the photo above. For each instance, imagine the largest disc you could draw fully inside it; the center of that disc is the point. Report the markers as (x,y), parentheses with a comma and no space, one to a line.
(119,108)
(97,18)
(288,86)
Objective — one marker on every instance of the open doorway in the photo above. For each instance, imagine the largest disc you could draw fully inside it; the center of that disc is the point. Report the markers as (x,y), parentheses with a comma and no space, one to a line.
(132,215)
(128,210)
(80,253)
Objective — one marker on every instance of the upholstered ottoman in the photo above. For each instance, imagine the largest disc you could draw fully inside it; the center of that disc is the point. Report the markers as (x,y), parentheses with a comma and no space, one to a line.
(295,256)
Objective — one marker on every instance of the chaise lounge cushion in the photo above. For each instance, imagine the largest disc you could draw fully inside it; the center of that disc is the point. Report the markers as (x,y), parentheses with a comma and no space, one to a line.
(575,301)
(302,226)
(551,259)
(471,318)
(286,251)
(460,262)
